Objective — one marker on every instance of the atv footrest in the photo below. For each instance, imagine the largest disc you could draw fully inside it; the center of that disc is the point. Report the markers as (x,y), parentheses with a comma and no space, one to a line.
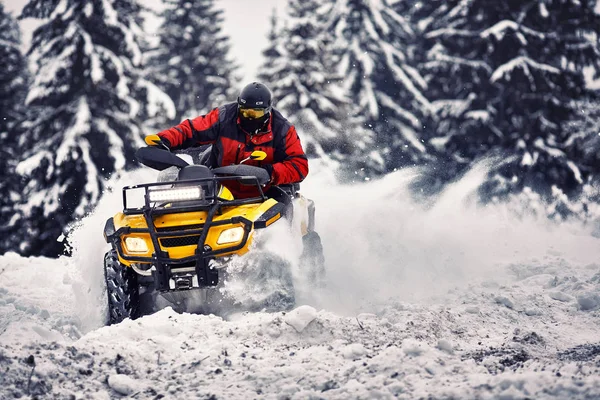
(207,276)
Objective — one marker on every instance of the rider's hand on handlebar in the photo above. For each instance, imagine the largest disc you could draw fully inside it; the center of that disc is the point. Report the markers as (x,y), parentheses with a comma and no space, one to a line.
(156,141)
(269,169)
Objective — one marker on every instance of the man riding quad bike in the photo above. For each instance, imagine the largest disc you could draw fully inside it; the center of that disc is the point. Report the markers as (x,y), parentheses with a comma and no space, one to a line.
(177,246)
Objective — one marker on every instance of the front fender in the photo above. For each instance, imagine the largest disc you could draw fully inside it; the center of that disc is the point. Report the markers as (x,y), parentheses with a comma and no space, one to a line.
(109,229)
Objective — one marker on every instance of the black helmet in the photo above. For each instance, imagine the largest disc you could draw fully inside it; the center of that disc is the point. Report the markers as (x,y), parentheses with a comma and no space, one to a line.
(255,95)
(254,107)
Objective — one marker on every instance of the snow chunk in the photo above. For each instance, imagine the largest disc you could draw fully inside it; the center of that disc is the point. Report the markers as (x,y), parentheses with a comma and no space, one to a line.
(300,317)
(560,296)
(532,312)
(123,384)
(445,346)
(588,302)
(412,347)
(353,351)
(505,301)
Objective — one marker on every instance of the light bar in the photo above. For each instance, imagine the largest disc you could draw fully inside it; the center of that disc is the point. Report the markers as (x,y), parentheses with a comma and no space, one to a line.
(182,194)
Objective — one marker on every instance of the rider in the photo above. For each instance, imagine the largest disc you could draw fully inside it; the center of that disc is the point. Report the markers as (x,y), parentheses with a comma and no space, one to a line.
(237,129)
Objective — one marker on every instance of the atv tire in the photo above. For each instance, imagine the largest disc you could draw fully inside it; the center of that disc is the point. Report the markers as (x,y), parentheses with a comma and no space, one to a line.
(312,259)
(268,283)
(122,290)
(276,270)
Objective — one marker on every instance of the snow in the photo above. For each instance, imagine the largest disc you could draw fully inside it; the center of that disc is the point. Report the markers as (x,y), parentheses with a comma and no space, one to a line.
(554,152)
(576,172)
(401,76)
(300,317)
(527,160)
(500,29)
(44,77)
(110,15)
(73,135)
(158,101)
(479,115)
(444,300)
(96,73)
(122,384)
(437,53)
(61,8)
(116,148)
(28,165)
(525,63)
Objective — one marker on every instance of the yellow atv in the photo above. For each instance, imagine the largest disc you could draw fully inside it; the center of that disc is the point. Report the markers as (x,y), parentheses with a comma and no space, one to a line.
(176,244)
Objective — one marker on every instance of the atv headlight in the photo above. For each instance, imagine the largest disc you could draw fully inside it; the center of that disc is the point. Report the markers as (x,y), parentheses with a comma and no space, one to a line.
(231,235)
(181,194)
(136,245)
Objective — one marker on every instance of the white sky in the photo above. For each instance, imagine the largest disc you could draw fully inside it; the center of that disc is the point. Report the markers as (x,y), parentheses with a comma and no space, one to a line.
(246,23)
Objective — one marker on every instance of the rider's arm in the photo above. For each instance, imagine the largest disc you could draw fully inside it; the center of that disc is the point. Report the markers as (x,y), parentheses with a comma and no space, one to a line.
(193,132)
(291,164)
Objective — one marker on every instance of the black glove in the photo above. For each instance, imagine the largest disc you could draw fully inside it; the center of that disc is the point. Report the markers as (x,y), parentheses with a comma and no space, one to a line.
(157,141)
(269,169)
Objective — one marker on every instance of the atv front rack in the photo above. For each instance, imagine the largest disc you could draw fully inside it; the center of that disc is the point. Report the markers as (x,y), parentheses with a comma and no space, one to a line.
(204,204)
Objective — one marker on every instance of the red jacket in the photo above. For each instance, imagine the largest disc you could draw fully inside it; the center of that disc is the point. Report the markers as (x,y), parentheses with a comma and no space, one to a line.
(231,144)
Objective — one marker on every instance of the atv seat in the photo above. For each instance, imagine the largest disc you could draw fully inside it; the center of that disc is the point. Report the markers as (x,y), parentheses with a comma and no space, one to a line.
(194,172)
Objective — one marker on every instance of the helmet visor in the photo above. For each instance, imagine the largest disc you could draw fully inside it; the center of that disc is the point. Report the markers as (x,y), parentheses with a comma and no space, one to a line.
(253,113)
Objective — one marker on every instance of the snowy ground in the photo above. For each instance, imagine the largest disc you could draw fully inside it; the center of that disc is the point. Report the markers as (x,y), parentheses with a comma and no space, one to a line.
(443,301)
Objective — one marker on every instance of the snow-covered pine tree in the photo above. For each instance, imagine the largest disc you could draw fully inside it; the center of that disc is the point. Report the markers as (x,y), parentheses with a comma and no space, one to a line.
(503,77)
(13,81)
(375,47)
(298,68)
(191,62)
(272,69)
(85,129)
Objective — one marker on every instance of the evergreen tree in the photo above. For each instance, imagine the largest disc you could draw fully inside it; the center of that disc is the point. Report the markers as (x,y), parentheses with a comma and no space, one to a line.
(191,63)
(375,46)
(584,137)
(85,128)
(503,77)
(296,68)
(13,80)
(273,67)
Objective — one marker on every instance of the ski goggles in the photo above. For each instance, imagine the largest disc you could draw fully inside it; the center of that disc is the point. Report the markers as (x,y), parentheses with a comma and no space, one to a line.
(253,113)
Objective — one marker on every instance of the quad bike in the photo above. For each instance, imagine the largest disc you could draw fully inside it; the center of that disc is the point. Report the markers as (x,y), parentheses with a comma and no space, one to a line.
(177,245)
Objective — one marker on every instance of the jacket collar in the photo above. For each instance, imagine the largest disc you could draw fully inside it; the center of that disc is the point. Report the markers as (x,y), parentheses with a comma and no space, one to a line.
(261,137)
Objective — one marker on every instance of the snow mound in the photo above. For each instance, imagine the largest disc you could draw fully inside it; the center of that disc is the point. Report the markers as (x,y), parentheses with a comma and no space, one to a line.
(479,306)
